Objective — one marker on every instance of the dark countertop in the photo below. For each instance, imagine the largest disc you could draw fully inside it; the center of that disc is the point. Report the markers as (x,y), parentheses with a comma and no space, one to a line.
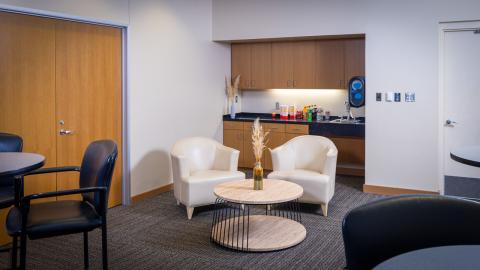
(322,128)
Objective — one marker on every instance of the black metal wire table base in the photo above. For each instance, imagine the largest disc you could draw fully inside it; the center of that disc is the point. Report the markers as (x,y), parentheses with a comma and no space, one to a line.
(231,224)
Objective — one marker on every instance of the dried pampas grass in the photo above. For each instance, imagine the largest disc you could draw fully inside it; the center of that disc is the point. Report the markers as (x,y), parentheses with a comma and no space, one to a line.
(259,139)
(231,90)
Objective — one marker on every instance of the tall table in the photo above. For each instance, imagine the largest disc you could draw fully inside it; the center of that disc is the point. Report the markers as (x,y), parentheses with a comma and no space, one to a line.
(436,258)
(16,164)
(257,220)
(469,155)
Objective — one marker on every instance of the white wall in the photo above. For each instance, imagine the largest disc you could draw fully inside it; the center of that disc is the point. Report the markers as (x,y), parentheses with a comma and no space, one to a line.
(401,54)
(176,74)
(176,80)
(332,100)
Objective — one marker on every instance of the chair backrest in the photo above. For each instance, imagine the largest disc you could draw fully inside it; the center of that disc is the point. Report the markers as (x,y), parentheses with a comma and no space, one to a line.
(310,151)
(10,143)
(385,228)
(199,151)
(97,168)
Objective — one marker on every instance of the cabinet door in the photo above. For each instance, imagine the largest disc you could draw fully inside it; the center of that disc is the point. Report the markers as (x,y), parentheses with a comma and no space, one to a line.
(234,139)
(241,64)
(354,59)
(261,68)
(275,139)
(350,150)
(330,68)
(282,65)
(303,64)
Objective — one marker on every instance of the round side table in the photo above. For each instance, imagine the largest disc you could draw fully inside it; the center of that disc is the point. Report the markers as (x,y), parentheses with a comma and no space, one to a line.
(257,220)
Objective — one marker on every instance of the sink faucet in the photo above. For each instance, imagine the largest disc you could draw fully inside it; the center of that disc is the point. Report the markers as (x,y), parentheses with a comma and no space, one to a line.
(348,111)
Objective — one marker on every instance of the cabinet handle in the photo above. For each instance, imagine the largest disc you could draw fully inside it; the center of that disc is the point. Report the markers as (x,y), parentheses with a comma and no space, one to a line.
(294,83)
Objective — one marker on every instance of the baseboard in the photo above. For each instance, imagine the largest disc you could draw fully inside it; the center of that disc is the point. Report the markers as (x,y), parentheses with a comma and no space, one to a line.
(152,193)
(393,190)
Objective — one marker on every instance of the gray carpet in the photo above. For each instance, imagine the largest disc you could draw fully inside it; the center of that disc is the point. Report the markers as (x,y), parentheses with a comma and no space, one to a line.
(155,234)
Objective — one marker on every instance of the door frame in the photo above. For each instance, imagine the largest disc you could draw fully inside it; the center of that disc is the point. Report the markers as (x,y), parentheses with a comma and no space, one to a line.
(126,186)
(445,27)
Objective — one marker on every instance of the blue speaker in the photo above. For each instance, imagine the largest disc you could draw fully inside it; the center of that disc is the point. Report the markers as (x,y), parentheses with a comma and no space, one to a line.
(356,91)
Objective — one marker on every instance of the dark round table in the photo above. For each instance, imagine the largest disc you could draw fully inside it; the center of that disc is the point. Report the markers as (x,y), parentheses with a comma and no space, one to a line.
(18,163)
(469,155)
(436,258)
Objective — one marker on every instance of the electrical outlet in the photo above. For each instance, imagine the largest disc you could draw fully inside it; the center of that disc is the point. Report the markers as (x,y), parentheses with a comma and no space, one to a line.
(378,96)
(277,105)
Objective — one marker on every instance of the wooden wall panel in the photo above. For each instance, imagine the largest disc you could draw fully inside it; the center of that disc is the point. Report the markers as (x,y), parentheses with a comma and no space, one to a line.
(27,91)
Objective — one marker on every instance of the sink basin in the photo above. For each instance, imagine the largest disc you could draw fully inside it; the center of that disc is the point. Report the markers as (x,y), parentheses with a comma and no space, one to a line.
(345,121)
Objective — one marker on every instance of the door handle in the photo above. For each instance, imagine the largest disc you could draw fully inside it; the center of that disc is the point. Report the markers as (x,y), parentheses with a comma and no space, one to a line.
(65,132)
(450,123)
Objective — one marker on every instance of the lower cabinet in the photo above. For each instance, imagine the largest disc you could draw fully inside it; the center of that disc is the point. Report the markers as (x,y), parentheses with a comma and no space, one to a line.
(238,135)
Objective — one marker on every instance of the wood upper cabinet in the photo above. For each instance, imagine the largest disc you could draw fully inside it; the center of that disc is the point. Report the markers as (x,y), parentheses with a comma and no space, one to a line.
(303,64)
(253,62)
(241,63)
(293,64)
(330,64)
(354,58)
(261,66)
(282,65)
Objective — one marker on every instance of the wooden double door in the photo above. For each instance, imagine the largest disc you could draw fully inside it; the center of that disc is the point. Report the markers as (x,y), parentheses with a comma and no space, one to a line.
(61,89)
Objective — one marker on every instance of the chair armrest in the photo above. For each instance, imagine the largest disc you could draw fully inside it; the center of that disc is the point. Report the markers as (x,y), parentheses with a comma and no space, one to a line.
(63,193)
(330,165)
(283,159)
(226,158)
(55,170)
(180,167)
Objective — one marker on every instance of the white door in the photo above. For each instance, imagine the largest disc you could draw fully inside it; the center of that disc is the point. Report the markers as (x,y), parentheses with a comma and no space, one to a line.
(461,108)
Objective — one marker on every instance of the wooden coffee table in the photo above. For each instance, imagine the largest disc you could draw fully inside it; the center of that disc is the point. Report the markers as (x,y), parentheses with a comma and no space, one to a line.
(257,220)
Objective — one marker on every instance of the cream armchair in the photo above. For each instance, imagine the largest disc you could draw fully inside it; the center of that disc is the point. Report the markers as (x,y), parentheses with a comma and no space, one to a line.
(309,161)
(198,164)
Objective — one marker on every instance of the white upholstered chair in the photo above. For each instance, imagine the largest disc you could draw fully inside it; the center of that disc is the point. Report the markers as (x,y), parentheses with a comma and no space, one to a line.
(198,164)
(309,161)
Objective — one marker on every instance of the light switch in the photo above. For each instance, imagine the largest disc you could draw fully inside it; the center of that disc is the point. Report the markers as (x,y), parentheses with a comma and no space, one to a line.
(409,97)
(389,96)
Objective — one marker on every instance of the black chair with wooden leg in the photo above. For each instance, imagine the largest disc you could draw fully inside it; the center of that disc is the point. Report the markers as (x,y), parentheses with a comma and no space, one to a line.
(62,217)
(9,143)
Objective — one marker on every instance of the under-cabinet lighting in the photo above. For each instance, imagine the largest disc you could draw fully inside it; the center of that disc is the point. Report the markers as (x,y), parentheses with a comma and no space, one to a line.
(308,92)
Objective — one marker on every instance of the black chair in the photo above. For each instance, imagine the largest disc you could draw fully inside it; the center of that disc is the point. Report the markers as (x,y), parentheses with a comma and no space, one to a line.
(8,143)
(56,218)
(388,227)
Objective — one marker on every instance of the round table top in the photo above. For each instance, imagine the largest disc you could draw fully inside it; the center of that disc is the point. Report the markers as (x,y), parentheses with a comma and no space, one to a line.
(274,191)
(469,155)
(438,258)
(18,163)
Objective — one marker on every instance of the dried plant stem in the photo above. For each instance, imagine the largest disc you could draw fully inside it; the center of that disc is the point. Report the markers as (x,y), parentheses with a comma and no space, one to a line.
(259,139)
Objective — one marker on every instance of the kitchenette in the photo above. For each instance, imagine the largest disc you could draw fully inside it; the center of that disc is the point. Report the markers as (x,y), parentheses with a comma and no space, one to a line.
(299,86)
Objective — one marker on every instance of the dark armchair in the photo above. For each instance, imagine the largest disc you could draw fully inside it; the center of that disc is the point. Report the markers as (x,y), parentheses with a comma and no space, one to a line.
(61,217)
(382,229)
(8,143)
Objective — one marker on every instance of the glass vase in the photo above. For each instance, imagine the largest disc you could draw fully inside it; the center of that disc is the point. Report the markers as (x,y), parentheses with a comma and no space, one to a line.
(258,176)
